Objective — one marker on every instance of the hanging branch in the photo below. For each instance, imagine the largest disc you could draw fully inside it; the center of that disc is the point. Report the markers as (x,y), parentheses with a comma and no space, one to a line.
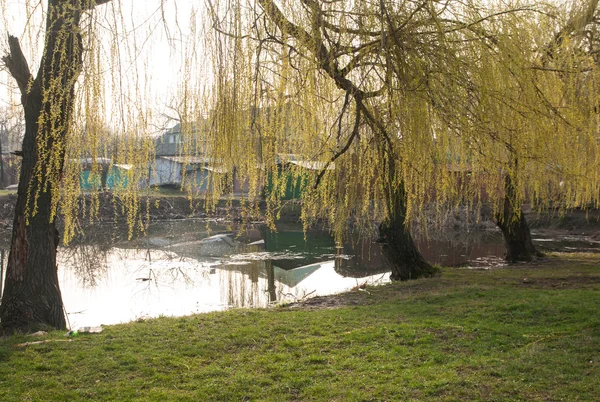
(344,149)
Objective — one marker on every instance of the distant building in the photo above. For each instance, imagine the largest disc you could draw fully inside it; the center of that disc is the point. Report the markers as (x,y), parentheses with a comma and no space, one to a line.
(294,171)
(182,160)
(101,174)
(183,157)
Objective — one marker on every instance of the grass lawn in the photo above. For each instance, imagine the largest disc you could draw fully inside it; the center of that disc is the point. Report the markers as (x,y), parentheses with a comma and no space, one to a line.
(529,332)
(4,192)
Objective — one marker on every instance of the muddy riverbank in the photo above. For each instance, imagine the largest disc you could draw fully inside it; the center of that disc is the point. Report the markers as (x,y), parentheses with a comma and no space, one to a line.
(175,207)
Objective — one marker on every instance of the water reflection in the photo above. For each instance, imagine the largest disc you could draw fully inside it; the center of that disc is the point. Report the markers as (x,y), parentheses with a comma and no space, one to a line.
(142,283)
(88,262)
(185,267)
(2,268)
(452,249)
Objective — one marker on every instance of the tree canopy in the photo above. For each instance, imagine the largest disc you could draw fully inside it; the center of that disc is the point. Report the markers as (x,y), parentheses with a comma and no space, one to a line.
(411,92)
(440,87)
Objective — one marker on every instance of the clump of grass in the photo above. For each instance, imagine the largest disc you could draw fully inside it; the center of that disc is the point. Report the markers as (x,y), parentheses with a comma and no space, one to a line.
(474,335)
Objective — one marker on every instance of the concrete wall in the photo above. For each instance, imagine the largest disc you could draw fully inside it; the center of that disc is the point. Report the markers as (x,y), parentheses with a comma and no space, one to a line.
(164,172)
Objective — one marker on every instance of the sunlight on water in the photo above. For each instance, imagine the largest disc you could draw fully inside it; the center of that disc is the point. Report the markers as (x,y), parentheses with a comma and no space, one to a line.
(187,267)
(148,283)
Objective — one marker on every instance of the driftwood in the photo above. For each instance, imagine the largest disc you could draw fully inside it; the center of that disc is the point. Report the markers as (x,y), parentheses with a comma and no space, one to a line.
(24,345)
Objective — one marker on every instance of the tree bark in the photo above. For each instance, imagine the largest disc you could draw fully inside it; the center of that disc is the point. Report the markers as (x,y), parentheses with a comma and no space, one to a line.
(399,248)
(514,227)
(32,297)
(1,166)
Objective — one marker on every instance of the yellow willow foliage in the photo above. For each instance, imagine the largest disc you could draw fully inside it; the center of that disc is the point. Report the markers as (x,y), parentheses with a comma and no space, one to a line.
(538,127)
(341,102)
(110,132)
(299,111)
(464,96)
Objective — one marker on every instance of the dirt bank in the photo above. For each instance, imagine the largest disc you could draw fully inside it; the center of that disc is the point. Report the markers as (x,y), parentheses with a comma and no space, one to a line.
(171,207)
(112,209)
(155,207)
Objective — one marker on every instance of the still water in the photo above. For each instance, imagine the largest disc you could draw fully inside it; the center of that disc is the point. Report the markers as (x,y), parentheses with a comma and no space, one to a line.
(184,267)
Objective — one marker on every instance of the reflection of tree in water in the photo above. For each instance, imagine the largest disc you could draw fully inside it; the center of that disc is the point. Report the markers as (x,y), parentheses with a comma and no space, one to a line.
(456,247)
(89,262)
(458,237)
(164,268)
(241,285)
(3,256)
(87,253)
(256,284)
(103,235)
(359,257)
(271,281)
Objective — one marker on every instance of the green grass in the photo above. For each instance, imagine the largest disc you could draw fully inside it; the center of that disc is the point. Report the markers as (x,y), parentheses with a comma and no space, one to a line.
(465,335)
(4,192)
(164,192)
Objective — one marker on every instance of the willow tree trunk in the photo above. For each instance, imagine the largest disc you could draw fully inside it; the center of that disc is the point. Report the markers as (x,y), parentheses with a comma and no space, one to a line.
(32,297)
(399,247)
(1,167)
(514,227)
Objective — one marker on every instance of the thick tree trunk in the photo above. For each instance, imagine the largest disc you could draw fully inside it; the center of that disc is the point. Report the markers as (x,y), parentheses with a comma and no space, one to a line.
(399,247)
(104,177)
(514,227)
(517,239)
(32,297)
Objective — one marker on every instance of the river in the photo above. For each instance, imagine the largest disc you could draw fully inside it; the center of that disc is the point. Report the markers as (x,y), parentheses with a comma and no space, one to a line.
(191,266)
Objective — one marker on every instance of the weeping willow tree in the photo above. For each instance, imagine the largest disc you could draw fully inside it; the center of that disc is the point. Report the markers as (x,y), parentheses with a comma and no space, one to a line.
(573,54)
(328,87)
(32,293)
(537,128)
(506,121)
(396,105)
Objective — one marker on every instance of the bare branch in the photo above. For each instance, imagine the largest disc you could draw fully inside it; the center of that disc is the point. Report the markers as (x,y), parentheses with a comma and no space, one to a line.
(313,44)
(17,64)
(345,148)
